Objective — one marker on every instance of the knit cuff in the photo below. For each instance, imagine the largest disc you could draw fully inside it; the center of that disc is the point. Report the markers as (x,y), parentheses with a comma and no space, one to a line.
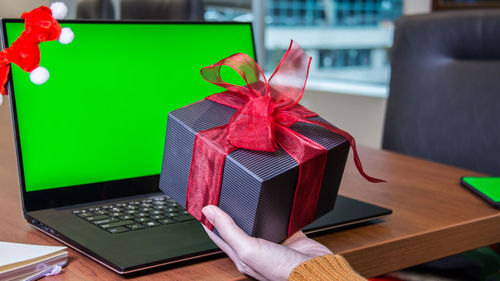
(330,267)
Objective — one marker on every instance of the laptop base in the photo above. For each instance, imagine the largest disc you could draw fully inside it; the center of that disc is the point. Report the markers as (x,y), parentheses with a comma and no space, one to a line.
(129,252)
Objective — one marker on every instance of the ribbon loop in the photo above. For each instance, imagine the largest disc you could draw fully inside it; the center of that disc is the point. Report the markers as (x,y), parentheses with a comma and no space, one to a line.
(246,67)
(288,82)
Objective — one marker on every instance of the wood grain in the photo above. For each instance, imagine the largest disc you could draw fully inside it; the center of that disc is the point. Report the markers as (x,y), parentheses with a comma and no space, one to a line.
(433,217)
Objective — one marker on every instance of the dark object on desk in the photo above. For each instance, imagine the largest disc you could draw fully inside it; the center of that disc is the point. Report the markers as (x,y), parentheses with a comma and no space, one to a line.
(258,188)
(444,96)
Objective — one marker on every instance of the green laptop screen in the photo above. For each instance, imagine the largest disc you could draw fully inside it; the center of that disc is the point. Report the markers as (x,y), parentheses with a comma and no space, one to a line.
(102,114)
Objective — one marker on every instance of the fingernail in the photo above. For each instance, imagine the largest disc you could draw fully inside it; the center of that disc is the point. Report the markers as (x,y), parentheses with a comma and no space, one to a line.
(209,213)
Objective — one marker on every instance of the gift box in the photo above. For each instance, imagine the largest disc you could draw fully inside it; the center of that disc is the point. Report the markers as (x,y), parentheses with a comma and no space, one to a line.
(267,161)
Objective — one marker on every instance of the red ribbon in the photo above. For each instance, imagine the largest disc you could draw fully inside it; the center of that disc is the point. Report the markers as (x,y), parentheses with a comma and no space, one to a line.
(39,26)
(265,111)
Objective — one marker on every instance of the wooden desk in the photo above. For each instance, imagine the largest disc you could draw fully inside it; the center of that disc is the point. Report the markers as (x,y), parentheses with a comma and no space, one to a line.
(433,217)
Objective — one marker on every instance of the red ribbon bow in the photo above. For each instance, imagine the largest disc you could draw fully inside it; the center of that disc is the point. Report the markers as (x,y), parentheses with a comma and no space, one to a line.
(265,111)
(39,26)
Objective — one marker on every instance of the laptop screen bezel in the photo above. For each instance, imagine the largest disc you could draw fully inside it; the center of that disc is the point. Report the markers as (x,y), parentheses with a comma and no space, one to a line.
(85,193)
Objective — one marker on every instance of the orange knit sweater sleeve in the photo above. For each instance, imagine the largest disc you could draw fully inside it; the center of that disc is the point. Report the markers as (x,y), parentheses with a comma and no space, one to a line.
(327,268)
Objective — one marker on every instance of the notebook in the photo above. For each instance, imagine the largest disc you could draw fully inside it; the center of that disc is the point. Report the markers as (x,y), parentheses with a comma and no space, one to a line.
(30,262)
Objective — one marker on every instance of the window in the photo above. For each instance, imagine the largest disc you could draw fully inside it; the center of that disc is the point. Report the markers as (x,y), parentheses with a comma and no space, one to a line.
(348,39)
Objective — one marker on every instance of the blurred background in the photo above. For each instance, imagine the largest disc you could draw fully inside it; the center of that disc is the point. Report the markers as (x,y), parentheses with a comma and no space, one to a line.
(349,41)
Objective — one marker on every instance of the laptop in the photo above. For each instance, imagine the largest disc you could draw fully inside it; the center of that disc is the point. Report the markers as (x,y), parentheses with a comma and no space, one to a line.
(90,141)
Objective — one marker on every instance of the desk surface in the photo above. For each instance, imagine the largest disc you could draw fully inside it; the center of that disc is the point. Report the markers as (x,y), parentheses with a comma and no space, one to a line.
(433,217)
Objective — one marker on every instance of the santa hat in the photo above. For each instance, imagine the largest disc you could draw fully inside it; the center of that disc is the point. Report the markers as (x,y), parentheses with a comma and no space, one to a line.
(39,25)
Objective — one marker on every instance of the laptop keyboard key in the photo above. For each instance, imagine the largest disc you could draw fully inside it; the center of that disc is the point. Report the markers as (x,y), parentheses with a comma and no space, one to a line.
(93,218)
(119,229)
(83,215)
(115,214)
(108,220)
(127,217)
(151,224)
(157,217)
(143,219)
(173,214)
(135,226)
(116,224)
(166,221)
(140,215)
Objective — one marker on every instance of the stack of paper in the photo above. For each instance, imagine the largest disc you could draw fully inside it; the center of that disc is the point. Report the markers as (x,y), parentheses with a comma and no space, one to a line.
(30,262)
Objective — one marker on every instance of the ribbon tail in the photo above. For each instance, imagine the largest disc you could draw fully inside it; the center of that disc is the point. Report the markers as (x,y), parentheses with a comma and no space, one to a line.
(207,167)
(351,141)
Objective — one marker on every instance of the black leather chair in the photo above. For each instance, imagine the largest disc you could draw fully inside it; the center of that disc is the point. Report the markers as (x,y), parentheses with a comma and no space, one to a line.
(444,104)
(444,100)
(174,10)
(95,9)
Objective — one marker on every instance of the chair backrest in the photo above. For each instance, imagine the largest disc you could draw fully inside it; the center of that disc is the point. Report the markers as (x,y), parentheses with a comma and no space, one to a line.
(181,10)
(444,100)
(175,10)
(95,9)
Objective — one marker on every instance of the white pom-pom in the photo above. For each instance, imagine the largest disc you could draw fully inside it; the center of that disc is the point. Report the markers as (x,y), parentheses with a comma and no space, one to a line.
(66,36)
(39,75)
(1,100)
(59,10)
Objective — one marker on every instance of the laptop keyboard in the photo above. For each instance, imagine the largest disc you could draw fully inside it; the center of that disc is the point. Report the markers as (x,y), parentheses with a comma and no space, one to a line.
(135,215)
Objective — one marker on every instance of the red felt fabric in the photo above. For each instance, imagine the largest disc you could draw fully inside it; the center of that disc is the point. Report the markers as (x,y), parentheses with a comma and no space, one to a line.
(39,26)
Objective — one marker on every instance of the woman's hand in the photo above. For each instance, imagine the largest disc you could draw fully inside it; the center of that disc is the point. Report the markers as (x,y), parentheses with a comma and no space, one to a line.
(257,257)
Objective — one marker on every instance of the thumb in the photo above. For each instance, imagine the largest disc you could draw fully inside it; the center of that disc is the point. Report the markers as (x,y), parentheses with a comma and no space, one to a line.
(227,228)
